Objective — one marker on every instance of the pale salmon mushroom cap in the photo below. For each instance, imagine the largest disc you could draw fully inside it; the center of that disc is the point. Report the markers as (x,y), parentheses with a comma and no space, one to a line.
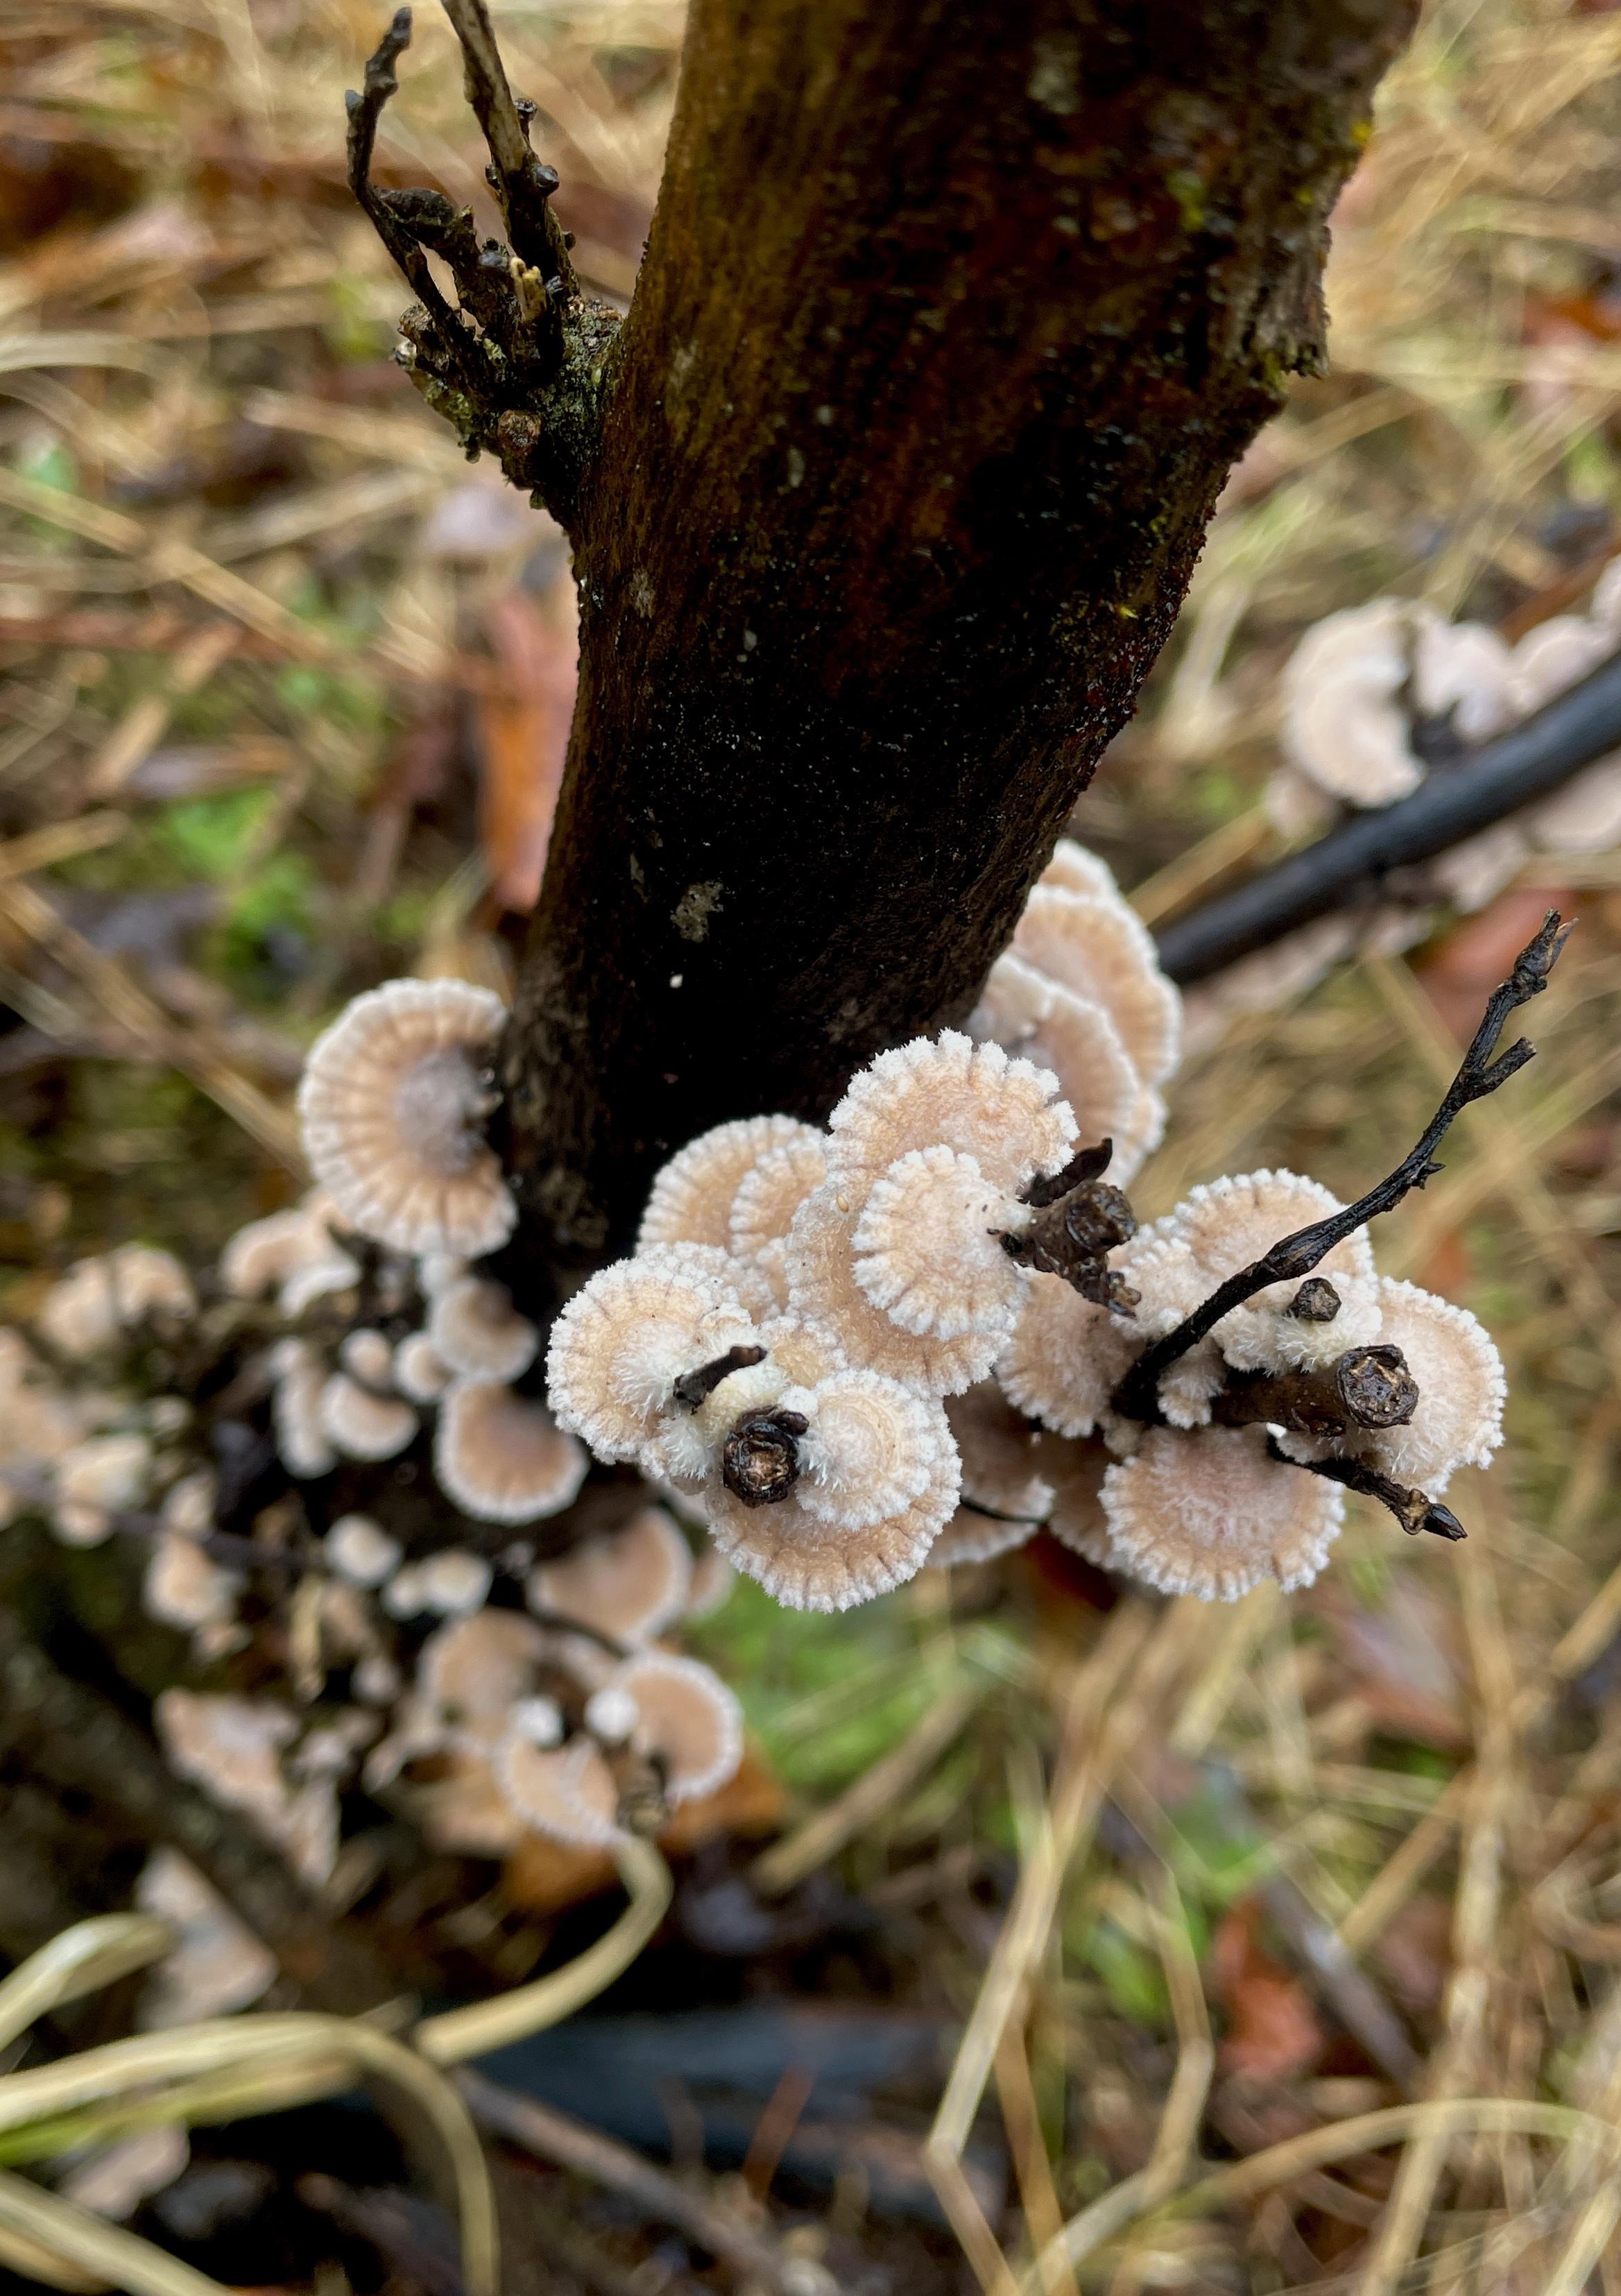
(1065,1358)
(1458,1421)
(1171,1282)
(1045,1022)
(391,1103)
(629,1584)
(87,1310)
(1006,1114)
(419,1372)
(1076,1472)
(1342,720)
(269,1253)
(687,1442)
(94,1481)
(1553,656)
(475,1330)
(568,1793)
(1261,1337)
(363,1425)
(973,1535)
(183,1586)
(232,1748)
(1230,1222)
(366,1356)
(871,1447)
(1103,953)
(714,1263)
(822,1289)
(361,1551)
(1001,1453)
(766,1199)
(455,1582)
(1076,869)
(808,1563)
(1586,815)
(685,1720)
(928,1246)
(502,1458)
(1461,672)
(692,1198)
(625,1339)
(1209,1514)
(302,1443)
(470,1674)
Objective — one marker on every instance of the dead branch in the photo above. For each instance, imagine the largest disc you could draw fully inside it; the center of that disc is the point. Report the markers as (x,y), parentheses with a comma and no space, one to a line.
(1414,1510)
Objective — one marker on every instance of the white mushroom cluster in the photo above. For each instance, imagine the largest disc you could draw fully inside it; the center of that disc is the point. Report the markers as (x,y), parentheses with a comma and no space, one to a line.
(1347,1366)
(1080,992)
(782,1348)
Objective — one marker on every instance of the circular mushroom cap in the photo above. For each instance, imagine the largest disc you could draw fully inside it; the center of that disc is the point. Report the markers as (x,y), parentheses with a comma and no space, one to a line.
(419,1372)
(502,1458)
(1230,1222)
(266,1252)
(810,1564)
(474,1327)
(565,1792)
(1076,1472)
(1103,953)
(927,1247)
(627,1585)
(361,1549)
(231,1747)
(366,1354)
(1002,1453)
(185,1588)
(455,1582)
(1460,670)
(822,1289)
(390,1104)
(690,1200)
(1586,815)
(872,1448)
(93,1481)
(1075,870)
(1342,724)
(1066,1357)
(1209,1514)
(363,1425)
(1005,1112)
(744,1278)
(1462,1389)
(87,1308)
(766,1199)
(471,1672)
(626,1338)
(687,1720)
(1074,1037)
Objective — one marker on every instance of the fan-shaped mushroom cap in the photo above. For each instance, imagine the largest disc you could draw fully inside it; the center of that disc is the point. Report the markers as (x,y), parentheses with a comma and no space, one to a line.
(232,1748)
(1042,1021)
(692,1198)
(361,1549)
(1076,1472)
(1228,1223)
(712,1581)
(1460,670)
(420,1372)
(366,1356)
(274,1251)
(687,1720)
(766,1199)
(470,1676)
(390,1104)
(86,1309)
(1006,1113)
(1073,869)
(294,1409)
(502,1458)
(872,1446)
(1208,1513)
(1103,953)
(1462,1389)
(688,1442)
(806,1351)
(1257,1337)
(822,1289)
(475,1330)
(972,1536)
(436,1271)
(455,1582)
(1585,817)
(1342,722)
(626,1337)
(185,1588)
(1553,656)
(629,1585)
(363,1425)
(330,1270)
(1065,1358)
(712,1263)
(1001,1454)
(565,1792)
(811,1564)
(928,1246)
(96,1480)
(188,1505)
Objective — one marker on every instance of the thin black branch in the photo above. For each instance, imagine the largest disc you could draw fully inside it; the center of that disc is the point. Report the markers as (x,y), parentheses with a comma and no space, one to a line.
(1365,1386)
(522,183)
(694,1386)
(365,110)
(1415,1511)
(1350,866)
(1295,1255)
(1080,1219)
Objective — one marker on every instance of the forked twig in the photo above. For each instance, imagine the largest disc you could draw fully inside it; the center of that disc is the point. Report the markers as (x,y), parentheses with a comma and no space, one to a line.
(1415,1511)
(1294,1255)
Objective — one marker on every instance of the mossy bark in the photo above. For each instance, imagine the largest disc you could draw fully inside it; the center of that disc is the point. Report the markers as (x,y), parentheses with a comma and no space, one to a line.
(953,321)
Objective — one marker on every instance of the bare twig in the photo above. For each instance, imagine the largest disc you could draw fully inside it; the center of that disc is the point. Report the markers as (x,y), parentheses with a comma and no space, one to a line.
(1415,1511)
(1080,1219)
(1295,1256)
(1364,1387)
(522,183)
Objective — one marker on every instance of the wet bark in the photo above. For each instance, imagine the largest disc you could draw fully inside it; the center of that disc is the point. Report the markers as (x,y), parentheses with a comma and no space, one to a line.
(952,323)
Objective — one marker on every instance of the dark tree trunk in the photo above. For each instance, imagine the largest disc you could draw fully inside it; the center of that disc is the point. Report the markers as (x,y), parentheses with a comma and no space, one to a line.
(953,321)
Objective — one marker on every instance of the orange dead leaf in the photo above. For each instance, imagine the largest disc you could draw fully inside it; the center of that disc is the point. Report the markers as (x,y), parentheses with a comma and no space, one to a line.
(524,732)
(1272,2031)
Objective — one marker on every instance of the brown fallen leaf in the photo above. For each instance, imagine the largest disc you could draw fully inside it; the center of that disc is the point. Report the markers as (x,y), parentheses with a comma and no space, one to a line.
(1272,2031)
(524,736)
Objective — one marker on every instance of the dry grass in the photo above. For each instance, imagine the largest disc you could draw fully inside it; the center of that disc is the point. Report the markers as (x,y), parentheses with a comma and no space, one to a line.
(1245,1837)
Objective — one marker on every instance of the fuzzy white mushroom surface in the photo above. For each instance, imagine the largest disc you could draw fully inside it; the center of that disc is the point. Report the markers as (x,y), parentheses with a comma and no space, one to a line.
(1343,723)
(766,1199)
(1105,955)
(630,1584)
(822,1289)
(1458,1421)
(871,1447)
(627,1336)
(503,1457)
(1209,1514)
(1005,1112)
(391,1104)
(1044,1022)
(692,1197)
(1065,1358)
(1074,869)
(361,1551)
(474,1328)
(810,1564)
(685,1719)
(928,1246)
(567,1792)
